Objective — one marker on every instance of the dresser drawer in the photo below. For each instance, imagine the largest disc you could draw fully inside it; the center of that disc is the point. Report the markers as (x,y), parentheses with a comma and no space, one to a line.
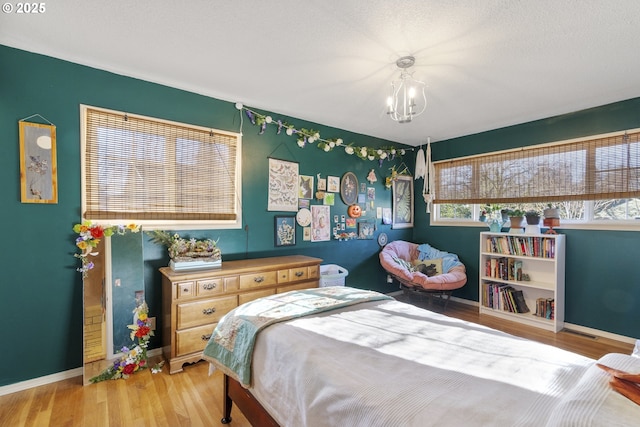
(210,287)
(201,312)
(296,274)
(258,280)
(193,339)
(250,296)
(298,286)
(314,271)
(186,290)
(231,284)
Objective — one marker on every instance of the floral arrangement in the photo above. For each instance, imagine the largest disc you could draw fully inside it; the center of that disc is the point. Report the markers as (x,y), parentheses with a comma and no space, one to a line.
(89,236)
(134,358)
(181,249)
(388,181)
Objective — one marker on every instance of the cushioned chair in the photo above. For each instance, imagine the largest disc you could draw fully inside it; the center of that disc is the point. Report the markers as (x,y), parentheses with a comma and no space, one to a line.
(400,258)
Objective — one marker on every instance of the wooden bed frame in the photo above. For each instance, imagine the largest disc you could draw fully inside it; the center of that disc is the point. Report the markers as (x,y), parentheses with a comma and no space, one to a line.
(246,403)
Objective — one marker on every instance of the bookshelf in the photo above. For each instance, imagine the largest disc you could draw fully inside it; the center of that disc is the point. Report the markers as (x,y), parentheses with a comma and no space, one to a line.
(505,261)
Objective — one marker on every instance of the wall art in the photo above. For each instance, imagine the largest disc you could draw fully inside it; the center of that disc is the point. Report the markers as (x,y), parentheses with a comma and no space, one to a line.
(320,223)
(285,230)
(333,184)
(38,167)
(283,186)
(402,202)
(305,187)
(349,188)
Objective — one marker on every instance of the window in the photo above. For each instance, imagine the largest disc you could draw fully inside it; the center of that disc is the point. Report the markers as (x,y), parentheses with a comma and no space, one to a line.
(157,172)
(589,179)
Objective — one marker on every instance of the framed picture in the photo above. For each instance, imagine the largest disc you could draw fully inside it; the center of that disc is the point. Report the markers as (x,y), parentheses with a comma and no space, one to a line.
(333,184)
(305,187)
(402,202)
(349,188)
(366,230)
(283,186)
(386,215)
(322,184)
(285,230)
(329,199)
(38,167)
(320,223)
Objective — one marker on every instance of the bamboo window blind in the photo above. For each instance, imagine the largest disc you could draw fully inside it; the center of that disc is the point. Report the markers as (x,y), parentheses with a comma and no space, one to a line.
(140,168)
(602,167)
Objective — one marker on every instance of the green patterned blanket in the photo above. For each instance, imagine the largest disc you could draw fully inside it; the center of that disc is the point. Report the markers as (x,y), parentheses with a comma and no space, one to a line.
(230,348)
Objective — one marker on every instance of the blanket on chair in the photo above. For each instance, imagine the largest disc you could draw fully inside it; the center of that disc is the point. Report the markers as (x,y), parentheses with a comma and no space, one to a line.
(449,260)
(230,347)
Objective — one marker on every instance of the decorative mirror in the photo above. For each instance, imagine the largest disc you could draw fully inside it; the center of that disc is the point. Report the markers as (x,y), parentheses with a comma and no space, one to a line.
(111,290)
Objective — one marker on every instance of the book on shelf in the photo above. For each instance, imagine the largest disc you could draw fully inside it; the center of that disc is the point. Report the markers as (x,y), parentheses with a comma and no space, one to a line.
(503,297)
(545,307)
(533,246)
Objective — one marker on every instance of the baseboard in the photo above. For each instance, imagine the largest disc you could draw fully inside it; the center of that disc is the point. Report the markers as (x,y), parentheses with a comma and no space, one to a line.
(59,376)
(599,333)
(36,382)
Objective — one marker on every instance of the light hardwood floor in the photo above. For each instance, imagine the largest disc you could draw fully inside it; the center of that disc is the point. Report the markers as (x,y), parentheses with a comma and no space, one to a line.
(194,399)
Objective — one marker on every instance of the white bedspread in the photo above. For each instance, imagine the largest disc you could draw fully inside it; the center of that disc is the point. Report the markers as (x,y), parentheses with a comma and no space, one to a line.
(392,364)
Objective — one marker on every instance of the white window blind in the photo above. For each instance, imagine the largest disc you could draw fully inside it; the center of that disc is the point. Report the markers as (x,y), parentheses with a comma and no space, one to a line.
(602,167)
(141,168)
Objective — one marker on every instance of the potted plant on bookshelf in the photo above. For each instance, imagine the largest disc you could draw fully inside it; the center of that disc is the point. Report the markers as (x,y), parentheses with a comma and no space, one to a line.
(532,217)
(551,212)
(515,217)
(533,222)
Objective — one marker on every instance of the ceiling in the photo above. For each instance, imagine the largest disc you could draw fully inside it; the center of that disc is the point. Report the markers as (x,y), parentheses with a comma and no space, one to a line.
(487,63)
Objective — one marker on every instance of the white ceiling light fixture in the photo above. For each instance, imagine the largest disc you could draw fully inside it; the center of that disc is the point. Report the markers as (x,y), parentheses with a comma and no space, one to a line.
(408,98)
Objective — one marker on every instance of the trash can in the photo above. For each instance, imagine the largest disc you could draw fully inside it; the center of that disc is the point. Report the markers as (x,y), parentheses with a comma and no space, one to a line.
(332,275)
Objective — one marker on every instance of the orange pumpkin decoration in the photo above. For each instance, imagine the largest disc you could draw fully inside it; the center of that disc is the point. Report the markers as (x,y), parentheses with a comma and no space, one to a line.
(354,211)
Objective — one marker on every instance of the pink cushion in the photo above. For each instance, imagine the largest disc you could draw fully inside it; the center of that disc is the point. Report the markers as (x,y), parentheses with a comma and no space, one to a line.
(455,278)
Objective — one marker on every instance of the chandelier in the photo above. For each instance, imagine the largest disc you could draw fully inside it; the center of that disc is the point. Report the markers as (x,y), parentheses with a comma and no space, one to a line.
(408,97)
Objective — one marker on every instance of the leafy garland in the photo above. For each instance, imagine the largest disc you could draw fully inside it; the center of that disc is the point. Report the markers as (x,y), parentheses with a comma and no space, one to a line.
(310,136)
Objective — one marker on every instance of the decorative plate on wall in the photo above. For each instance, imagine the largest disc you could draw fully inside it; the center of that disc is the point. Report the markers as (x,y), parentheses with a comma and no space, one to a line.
(303,217)
(382,239)
(349,188)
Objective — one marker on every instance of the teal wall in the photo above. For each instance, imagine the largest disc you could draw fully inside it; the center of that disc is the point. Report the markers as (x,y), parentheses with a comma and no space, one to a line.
(602,278)
(41,302)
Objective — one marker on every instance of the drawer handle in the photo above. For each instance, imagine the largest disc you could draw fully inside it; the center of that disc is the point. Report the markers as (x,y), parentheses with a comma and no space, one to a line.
(208,311)
(206,337)
(258,279)
(209,286)
(299,273)
(185,290)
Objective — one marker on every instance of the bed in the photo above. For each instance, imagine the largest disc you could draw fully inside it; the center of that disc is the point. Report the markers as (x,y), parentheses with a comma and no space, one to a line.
(375,361)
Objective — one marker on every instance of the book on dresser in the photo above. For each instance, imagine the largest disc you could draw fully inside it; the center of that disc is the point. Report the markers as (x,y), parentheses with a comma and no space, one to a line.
(522,278)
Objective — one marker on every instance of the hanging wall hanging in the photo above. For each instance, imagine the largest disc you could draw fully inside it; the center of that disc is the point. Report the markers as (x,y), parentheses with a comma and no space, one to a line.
(38,167)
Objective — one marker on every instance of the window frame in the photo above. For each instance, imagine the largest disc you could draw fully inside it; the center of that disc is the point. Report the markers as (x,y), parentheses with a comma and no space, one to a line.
(588,223)
(157,224)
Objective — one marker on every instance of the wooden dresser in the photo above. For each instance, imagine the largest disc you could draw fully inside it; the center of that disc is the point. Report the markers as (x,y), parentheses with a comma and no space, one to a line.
(193,302)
